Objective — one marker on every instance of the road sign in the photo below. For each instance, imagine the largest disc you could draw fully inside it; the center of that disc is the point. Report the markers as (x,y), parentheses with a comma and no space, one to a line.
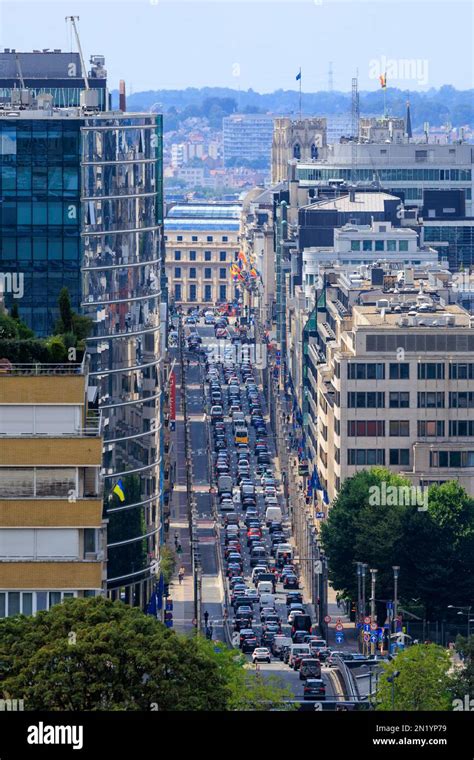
(367,619)
(339,638)
(327,619)
(366,636)
(320,515)
(318,567)
(338,620)
(359,625)
(374,626)
(366,627)
(339,627)
(373,638)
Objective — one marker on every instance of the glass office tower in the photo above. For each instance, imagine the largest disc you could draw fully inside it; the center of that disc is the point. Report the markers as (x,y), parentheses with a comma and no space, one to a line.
(82,208)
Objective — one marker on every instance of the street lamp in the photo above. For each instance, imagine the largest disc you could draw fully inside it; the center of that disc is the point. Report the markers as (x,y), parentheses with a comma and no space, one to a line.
(463,611)
(396,569)
(373,576)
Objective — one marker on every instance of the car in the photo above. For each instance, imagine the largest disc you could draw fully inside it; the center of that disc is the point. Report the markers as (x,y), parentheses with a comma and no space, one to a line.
(249,644)
(331,660)
(292,614)
(217,412)
(314,688)
(294,597)
(290,581)
(191,320)
(298,637)
(310,667)
(252,594)
(261,654)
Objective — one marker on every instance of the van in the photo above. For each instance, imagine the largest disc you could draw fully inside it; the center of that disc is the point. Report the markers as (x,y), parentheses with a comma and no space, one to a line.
(310,669)
(272,514)
(265,587)
(297,649)
(257,556)
(284,551)
(224,484)
(278,643)
(267,600)
(238,417)
(301,623)
(266,576)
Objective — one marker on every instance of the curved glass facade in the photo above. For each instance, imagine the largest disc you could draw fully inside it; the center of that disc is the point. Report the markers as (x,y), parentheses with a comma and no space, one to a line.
(122,241)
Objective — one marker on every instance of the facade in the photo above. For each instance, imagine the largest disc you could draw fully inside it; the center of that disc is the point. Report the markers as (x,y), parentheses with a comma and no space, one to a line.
(376,130)
(299,139)
(202,241)
(388,384)
(51,72)
(52,531)
(83,208)
(247,138)
(408,167)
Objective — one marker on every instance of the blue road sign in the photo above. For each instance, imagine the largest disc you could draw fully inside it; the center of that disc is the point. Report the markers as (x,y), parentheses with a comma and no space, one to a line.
(367,627)
(359,625)
(389,605)
(320,515)
(339,638)
(373,637)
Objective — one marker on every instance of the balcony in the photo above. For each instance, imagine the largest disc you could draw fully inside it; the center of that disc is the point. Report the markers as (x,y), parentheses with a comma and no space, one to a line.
(42,513)
(54,450)
(59,574)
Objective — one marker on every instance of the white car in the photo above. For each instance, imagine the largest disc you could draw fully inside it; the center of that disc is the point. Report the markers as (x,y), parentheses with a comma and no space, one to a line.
(261,654)
(292,614)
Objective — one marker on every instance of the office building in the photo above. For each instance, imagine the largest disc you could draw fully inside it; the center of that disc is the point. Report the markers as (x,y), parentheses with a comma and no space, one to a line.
(247,140)
(52,531)
(82,208)
(202,241)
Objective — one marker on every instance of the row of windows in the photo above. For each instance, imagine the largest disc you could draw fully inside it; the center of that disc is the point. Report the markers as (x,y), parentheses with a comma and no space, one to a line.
(207,273)
(194,238)
(179,294)
(451,458)
(379,245)
(388,175)
(439,342)
(369,457)
(401,400)
(29,602)
(39,213)
(207,255)
(401,428)
(401,371)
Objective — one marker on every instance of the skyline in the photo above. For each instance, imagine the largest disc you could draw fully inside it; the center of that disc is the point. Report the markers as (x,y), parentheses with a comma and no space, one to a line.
(231,53)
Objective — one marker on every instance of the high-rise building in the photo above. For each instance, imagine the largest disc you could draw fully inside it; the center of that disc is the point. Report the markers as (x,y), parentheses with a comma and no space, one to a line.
(52,530)
(247,140)
(82,208)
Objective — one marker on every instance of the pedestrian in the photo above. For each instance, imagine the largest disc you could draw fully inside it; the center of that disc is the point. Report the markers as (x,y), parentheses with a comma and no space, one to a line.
(181,575)
(179,549)
(211,630)
(226,615)
(206,618)
(176,540)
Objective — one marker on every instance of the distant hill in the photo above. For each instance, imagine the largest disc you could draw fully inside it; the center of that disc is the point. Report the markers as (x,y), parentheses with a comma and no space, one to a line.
(435,106)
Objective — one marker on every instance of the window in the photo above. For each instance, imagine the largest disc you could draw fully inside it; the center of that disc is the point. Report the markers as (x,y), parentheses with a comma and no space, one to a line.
(366,400)
(194,238)
(461,400)
(391,245)
(430,428)
(207,255)
(431,371)
(225,238)
(207,273)
(222,273)
(399,428)
(192,292)
(192,273)
(430,400)
(379,245)
(209,238)
(403,245)
(355,245)
(177,292)
(399,371)
(177,273)
(192,255)
(365,457)
(455,459)
(399,400)
(222,255)
(399,456)
(461,428)
(296,151)
(222,292)
(366,245)
(365,428)
(177,255)
(207,292)
(461,371)
(179,238)
(362,371)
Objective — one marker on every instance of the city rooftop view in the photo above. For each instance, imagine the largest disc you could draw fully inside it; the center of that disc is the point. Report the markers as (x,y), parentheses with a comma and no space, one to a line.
(237,374)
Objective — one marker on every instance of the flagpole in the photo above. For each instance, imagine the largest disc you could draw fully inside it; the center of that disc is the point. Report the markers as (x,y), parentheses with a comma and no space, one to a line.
(300,93)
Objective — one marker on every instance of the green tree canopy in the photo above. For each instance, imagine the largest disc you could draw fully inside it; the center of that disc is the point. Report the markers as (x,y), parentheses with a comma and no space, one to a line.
(423,682)
(95,654)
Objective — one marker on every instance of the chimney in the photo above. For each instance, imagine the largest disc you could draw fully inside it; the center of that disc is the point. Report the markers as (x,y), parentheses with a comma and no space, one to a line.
(122,97)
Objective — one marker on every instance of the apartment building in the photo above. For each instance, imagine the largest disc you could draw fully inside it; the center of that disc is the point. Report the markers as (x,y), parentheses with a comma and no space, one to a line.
(202,241)
(52,531)
(247,140)
(390,374)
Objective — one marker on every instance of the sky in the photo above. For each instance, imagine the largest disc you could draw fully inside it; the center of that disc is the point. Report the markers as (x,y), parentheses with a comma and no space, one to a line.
(174,44)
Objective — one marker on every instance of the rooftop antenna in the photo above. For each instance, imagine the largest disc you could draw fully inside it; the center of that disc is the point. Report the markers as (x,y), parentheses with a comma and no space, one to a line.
(73,19)
(355,113)
(20,73)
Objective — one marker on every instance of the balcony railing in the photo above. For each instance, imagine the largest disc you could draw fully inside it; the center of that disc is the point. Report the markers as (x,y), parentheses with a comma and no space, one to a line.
(6,368)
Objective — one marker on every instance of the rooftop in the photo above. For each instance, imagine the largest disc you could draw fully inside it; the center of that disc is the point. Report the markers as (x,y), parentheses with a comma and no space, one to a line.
(361,202)
(378,315)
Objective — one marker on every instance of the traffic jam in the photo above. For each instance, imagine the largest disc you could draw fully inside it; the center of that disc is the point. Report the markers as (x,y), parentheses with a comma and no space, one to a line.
(268,619)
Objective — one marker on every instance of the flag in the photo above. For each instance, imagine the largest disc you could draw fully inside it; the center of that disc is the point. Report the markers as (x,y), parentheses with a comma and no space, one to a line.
(383,81)
(118,490)
(243,258)
(298,76)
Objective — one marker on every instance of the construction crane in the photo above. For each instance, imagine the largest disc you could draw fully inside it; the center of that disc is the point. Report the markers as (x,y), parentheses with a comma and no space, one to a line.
(73,19)
(355,126)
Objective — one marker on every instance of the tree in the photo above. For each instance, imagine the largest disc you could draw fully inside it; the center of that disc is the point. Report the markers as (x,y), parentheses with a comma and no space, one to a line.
(463,677)
(8,327)
(65,310)
(423,682)
(95,654)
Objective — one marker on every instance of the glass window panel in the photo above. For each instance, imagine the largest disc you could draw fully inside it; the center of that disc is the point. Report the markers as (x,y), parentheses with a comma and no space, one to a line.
(2,604)
(16,482)
(41,600)
(27,603)
(55,482)
(13,603)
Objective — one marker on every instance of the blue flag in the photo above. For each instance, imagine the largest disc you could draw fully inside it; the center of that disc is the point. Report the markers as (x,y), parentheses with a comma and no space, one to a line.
(298,76)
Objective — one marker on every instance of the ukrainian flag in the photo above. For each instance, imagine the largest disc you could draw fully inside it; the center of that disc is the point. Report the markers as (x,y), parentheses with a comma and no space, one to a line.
(118,490)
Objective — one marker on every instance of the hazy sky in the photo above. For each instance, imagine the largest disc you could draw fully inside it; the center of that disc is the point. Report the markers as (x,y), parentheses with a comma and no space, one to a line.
(188,43)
